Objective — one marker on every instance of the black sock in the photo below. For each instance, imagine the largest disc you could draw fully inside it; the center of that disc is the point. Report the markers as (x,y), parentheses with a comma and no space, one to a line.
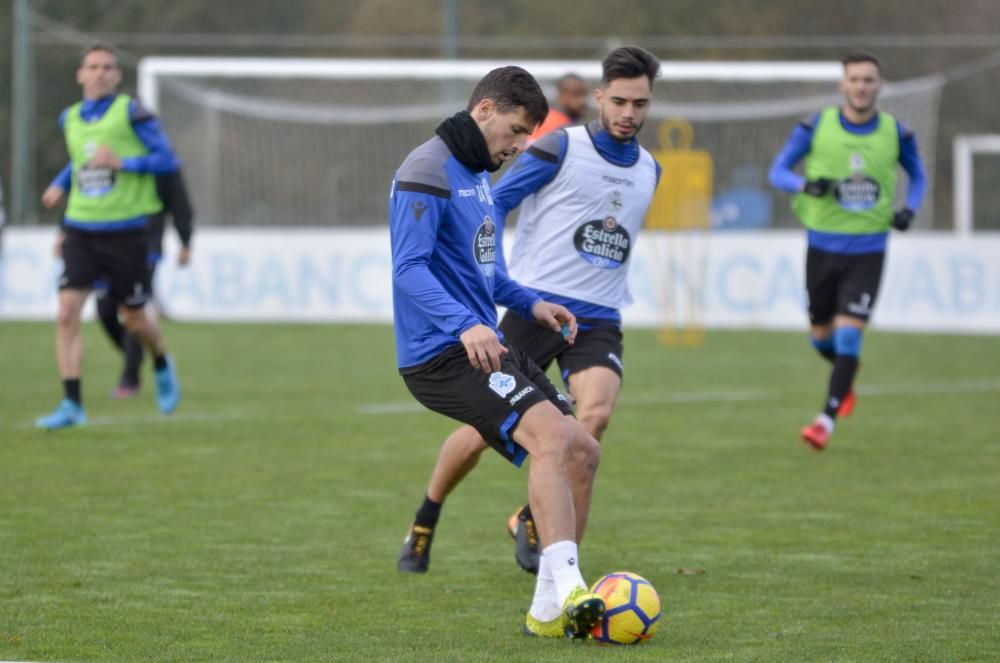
(159,362)
(841,379)
(133,359)
(526,513)
(107,312)
(72,390)
(428,513)
(829,355)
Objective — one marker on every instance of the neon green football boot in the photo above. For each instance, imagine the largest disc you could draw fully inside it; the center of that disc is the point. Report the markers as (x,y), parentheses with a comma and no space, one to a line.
(555,628)
(582,610)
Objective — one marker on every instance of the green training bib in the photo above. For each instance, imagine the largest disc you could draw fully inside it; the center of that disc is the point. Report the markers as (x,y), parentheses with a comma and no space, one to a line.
(100,195)
(864,171)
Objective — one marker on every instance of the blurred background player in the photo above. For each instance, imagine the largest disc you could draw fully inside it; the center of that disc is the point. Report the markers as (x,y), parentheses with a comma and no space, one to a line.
(585,193)
(116,147)
(569,106)
(845,200)
(446,285)
(173,194)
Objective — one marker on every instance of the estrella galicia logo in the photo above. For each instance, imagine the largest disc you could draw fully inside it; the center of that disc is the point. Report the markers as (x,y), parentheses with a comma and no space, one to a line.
(485,247)
(604,244)
(857,193)
(502,384)
(93,182)
(418,207)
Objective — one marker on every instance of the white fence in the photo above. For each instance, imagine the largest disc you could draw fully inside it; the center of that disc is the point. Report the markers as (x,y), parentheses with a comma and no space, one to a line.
(932,282)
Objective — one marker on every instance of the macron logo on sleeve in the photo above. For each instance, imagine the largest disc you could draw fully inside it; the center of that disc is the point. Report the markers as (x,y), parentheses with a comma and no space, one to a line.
(418,207)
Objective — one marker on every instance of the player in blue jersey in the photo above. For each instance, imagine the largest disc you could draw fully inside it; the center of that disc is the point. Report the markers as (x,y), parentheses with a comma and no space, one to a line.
(446,285)
(116,148)
(566,253)
(583,192)
(845,201)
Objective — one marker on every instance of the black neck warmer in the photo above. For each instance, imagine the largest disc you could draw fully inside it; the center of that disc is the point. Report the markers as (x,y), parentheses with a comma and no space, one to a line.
(462,136)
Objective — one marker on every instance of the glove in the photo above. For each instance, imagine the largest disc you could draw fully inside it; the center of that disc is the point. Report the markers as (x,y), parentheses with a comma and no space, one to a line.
(817,187)
(901,221)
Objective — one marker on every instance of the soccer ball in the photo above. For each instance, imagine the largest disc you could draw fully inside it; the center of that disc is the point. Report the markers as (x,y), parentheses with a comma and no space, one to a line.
(632,609)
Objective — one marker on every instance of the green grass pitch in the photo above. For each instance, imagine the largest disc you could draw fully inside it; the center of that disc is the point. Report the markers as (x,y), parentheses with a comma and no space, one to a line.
(262,522)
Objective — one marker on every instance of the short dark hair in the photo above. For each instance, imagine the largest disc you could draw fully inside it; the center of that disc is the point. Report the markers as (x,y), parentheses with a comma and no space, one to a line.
(568,78)
(99,46)
(511,88)
(861,56)
(629,62)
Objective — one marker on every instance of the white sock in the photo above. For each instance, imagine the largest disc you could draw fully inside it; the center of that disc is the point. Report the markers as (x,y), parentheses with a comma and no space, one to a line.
(545,606)
(564,562)
(825,420)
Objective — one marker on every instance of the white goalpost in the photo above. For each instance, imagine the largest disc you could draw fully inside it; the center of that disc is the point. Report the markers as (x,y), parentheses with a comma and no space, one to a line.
(964,150)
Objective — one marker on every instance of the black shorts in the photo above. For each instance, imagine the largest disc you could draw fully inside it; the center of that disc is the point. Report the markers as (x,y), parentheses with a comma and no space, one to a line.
(842,284)
(492,403)
(102,289)
(598,343)
(116,258)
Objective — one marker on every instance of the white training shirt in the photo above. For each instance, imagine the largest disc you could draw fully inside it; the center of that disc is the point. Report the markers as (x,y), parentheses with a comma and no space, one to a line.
(575,235)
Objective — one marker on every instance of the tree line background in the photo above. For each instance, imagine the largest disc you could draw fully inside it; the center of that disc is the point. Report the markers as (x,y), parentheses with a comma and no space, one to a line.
(912,39)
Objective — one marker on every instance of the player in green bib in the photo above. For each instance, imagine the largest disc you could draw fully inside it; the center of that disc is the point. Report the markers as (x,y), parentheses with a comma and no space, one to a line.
(116,147)
(844,198)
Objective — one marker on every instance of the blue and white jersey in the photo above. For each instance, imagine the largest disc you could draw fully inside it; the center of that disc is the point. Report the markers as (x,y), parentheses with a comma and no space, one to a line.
(577,232)
(445,280)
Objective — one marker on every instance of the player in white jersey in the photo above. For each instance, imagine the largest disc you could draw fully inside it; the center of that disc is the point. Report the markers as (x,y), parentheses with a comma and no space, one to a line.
(584,192)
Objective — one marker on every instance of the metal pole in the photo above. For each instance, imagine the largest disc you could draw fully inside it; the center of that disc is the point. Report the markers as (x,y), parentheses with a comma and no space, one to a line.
(449,29)
(22,121)
(449,48)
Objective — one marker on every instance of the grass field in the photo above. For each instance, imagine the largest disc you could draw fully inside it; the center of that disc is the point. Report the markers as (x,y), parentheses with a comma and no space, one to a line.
(263,520)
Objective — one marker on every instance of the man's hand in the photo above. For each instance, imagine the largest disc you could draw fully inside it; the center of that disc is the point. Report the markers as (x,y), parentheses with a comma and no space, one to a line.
(555,317)
(52,196)
(817,187)
(483,347)
(184,257)
(902,220)
(105,157)
(57,247)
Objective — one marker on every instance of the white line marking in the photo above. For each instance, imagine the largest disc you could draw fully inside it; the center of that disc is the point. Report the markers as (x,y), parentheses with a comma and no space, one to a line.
(736,395)
(392,407)
(184,417)
(707,396)
(966,387)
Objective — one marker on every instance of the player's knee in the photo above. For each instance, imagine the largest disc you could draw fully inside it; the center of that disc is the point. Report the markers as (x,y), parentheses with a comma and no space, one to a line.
(67,317)
(469,443)
(595,418)
(586,453)
(134,319)
(553,442)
